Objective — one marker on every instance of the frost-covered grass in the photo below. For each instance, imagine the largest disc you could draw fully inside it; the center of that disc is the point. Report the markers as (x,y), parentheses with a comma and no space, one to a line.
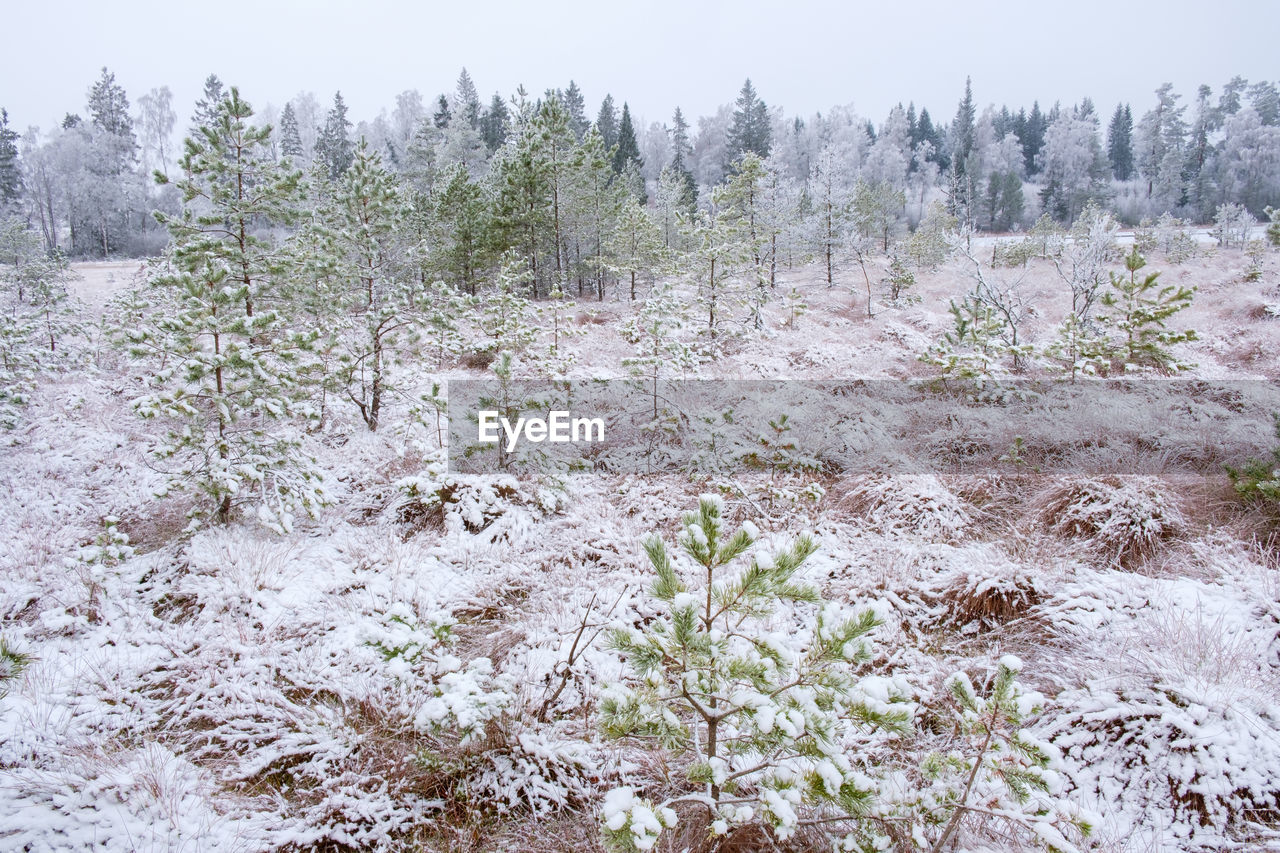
(422,666)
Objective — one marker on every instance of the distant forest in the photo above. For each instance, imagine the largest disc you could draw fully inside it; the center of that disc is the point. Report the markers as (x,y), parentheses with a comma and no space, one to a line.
(549,177)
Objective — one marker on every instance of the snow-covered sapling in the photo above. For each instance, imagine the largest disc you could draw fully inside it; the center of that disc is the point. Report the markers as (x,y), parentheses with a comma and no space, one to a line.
(1138,309)
(720,675)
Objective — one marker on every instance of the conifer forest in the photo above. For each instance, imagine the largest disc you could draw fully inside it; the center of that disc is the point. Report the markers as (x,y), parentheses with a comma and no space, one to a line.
(896,482)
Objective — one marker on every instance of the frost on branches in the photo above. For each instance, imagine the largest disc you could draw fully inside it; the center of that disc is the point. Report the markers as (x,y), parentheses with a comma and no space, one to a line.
(757,685)
(227,373)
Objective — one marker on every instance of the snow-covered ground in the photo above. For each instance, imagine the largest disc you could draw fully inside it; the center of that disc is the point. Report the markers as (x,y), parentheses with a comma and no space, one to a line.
(234,689)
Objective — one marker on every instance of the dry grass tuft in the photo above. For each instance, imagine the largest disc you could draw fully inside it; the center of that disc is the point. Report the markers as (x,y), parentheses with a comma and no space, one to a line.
(1121,520)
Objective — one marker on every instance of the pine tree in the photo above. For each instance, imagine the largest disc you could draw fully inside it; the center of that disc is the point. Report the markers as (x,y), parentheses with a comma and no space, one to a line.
(555,144)
(1120,143)
(460,230)
(10,167)
(832,200)
(707,676)
(596,198)
(750,130)
(334,148)
(522,207)
(1138,309)
(35,314)
(717,249)
(290,141)
(373,292)
(635,247)
(229,376)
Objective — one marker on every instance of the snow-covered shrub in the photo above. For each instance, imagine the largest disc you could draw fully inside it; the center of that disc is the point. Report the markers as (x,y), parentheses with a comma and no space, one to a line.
(471,743)
(1232,224)
(1183,740)
(470,503)
(1120,520)
(990,590)
(1174,239)
(914,504)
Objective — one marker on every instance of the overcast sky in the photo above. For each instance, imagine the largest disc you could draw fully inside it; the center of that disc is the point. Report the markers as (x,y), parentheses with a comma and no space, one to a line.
(803,56)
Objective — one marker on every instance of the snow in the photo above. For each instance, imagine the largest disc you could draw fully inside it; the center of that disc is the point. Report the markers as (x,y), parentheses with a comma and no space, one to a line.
(229,689)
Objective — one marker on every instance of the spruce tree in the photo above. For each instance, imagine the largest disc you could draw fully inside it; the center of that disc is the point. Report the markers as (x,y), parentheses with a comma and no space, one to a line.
(290,141)
(334,148)
(681,153)
(493,124)
(607,123)
(228,371)
(467,100)
(1120,143)
(206,111)
(10,167)
(962,129)
(750,130)
(440,118)
(628,151)
(575,105)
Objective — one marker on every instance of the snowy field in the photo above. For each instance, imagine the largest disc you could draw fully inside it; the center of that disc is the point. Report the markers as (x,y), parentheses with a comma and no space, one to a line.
(424,666)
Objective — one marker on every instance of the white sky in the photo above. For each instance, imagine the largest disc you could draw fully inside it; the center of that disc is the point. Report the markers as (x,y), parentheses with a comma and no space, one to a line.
(802,55)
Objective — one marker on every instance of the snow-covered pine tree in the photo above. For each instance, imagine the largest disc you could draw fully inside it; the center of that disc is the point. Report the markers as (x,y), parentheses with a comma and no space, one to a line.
(656,331)
(227,373)
(458,230)
(375,295)
(1138,309)
(718,248)
(35,314)
(712,674)
(832,199)
(635,248)
(504,317)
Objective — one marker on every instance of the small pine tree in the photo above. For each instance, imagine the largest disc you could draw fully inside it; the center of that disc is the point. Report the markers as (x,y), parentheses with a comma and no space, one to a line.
(972,349)
(708,676)
(36,315)
(1138,309)
(229,377)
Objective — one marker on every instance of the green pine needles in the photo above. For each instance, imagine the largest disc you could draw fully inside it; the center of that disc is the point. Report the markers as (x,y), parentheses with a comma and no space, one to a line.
(228,374)
(716,675)
(758,687)
(1138,308)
